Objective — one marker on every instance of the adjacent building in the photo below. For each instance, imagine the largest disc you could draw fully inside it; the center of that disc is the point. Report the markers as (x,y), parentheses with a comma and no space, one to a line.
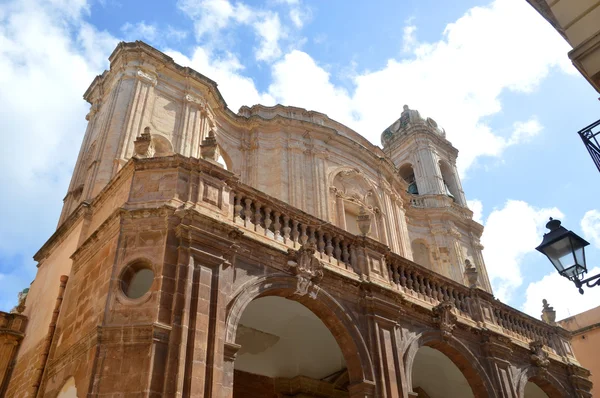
(272,252)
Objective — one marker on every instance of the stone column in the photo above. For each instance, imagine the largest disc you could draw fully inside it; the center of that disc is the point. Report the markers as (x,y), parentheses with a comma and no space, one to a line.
(498,353)
(427,173)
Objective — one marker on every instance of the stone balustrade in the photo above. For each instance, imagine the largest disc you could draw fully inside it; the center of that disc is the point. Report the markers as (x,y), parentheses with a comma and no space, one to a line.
(285,227)
(279,222)
(437,201)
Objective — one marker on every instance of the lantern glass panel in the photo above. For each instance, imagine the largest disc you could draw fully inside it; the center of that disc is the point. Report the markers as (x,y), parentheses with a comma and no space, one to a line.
(560,254)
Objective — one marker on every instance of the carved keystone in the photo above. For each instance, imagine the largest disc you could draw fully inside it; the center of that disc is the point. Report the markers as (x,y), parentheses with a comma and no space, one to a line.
(538,357)
(445,318)
(307,268)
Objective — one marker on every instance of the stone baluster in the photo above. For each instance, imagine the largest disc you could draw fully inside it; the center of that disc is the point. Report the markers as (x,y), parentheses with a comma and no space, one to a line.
(257,217)
(320,243)
(286,228)
(329,247)
(247,212)
(428,289)
(395,273)
(409,279)
(338,249)
(295,233)
(440,293)
(354,259)
(268,220)
(403,276)
(416,283)
(303,234)
(277,226)
(238,208)
(345,253)
(312,235)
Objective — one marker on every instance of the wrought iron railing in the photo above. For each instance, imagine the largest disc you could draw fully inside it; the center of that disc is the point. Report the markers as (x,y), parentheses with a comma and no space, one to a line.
(590,140)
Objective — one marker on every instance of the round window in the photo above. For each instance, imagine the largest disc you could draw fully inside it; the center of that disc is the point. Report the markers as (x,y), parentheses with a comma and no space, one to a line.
(136,281)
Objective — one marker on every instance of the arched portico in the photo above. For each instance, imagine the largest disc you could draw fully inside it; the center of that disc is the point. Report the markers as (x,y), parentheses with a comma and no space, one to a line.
(544,380)
(458,353)
(337,320)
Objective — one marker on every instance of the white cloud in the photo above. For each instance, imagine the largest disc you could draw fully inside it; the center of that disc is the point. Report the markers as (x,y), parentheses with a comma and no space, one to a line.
(477,208)
(409,39)
(590,225)
(213,16)
(140,30)
(511,233)
(48,57)
(458,80)
(270,31)
(561,294)
(237,89)
(524,131)
(299,81)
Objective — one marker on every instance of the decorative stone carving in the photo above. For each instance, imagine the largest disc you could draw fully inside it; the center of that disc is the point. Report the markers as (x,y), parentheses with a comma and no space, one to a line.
(20,307)
(142,146)
(209,149)
(364,221)
(471,274)
(307,268)
(148,77)
(538,357)
(548,313)
(445,318)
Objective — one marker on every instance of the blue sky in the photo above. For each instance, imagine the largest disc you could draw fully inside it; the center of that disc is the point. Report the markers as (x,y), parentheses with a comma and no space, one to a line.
(494,74)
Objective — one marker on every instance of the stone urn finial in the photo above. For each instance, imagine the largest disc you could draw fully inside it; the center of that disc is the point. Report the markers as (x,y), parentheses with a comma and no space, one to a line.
(364,221)
(548,313)
(471,274)
(141,146)
(209,148)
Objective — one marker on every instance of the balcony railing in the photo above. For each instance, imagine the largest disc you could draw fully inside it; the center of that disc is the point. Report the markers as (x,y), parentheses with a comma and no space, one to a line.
(218,193)
(590,140)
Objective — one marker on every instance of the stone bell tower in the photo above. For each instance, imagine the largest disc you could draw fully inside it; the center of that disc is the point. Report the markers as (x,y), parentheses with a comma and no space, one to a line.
(420,149)
(443,235)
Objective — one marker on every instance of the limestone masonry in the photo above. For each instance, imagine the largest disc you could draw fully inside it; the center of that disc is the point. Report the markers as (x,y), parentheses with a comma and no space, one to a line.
(272,252)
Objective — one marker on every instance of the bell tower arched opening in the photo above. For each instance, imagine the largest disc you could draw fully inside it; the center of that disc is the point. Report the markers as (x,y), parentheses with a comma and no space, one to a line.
(407,173)
(286,349)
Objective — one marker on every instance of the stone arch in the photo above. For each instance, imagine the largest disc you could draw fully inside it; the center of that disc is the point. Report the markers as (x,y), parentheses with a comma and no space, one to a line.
(68,389)
(544,380)
(450,180)
(224,158)
(324,306)
(407,173)
(458,353)
(162,145)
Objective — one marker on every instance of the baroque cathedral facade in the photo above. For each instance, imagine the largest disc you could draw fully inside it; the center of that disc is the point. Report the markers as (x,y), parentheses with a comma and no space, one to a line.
(272,252)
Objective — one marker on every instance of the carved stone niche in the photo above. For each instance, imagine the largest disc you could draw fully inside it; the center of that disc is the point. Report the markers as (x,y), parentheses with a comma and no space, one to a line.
(307,268)
(353,186)
(445,318)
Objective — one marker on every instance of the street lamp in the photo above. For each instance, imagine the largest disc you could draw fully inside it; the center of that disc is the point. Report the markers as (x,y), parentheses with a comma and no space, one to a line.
(566,250)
